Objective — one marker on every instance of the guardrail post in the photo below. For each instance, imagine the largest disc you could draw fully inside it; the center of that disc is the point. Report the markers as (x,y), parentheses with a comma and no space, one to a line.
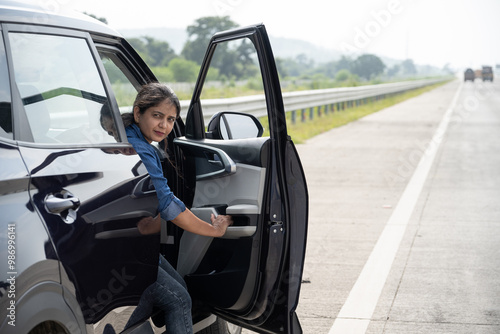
(303,116)
(293,116)
(311,113)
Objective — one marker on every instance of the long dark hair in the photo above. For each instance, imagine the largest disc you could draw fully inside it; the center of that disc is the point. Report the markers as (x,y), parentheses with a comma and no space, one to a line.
(151,95)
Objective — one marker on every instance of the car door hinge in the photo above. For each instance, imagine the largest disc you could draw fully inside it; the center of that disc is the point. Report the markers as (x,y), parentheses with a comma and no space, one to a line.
(276,227)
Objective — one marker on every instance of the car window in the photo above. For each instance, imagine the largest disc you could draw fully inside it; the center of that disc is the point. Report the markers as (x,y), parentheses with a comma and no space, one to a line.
(5,105)
(61,89)
(122,81)
(234,75)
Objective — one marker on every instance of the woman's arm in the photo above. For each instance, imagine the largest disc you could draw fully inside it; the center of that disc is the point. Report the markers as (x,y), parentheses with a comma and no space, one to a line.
(189,222)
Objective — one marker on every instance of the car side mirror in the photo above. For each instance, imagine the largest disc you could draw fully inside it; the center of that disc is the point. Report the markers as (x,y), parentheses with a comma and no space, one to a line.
(234,125)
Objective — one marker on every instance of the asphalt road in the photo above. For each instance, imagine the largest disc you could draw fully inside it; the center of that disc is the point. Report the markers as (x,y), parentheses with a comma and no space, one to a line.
(404,225)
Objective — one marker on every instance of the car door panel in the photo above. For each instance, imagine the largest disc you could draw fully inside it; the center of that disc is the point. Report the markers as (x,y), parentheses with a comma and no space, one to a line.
(106,259)
(239,194)
(250,276)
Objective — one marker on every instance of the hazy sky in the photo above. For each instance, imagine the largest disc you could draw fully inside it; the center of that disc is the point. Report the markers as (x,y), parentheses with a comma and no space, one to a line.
(463,33)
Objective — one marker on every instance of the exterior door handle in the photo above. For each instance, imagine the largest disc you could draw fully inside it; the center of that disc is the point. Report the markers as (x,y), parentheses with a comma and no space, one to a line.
(63,204)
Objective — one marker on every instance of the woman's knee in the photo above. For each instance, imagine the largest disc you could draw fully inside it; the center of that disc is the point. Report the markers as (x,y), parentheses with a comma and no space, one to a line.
(186,298)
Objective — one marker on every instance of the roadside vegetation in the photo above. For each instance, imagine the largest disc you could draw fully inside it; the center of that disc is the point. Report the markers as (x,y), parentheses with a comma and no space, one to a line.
(296,73)
(301,131)
(300,72)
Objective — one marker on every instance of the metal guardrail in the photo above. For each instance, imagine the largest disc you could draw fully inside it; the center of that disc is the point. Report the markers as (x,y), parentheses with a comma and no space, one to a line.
(256,104)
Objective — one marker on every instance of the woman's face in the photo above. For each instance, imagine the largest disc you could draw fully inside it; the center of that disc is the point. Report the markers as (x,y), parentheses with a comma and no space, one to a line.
(156,122)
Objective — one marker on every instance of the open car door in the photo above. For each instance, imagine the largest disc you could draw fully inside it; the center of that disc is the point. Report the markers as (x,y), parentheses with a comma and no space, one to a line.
(252,275)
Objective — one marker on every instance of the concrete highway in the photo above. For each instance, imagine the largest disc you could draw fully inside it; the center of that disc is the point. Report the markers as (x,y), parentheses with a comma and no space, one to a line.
(404,224)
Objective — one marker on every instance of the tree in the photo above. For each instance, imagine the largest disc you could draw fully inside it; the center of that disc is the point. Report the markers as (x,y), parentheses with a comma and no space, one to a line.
(344,63)
(246,56)
(304,62)
(282,69)
(328,69)
(199,35)
(102,19)
(163,74)
(393,71)
(154,52)
(367,66)
(408,67)
(447,70)
(183,70)
(342,75)
(291,66)
(301,65)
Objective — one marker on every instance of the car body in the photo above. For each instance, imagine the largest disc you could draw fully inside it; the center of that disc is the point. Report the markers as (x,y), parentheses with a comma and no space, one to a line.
(487,73)
(72,192)
(469,75)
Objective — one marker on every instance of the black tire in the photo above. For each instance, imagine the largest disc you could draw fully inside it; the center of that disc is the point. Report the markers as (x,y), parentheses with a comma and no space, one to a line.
(48,327)
(221,327)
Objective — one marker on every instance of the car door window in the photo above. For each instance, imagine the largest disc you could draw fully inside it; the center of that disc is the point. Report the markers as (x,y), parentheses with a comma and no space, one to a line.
(122,82)
(61,89)
(234,75)
(5,105)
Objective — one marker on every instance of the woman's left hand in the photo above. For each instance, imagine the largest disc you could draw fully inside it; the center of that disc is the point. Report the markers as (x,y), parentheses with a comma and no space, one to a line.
(221,223)
(149,225)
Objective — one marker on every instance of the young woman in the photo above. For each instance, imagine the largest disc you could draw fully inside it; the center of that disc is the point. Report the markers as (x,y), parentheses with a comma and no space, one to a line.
(155,111)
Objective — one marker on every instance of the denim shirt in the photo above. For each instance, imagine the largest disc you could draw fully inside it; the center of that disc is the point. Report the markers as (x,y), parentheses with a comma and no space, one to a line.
(169,206)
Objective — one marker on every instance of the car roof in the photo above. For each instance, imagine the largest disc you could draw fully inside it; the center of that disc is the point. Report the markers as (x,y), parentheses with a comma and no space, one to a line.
(51,16)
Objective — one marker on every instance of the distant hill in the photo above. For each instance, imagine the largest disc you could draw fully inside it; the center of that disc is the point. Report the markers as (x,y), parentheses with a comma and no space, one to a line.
(282,47)
(290,48)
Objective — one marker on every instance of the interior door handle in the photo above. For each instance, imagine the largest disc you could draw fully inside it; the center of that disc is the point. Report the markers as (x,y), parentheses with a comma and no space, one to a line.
(202,150)
(216,162)
(63,204)
(143,188)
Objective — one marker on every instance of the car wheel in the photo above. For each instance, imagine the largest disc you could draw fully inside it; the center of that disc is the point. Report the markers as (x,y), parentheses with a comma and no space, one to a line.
(221,327)
(48,327)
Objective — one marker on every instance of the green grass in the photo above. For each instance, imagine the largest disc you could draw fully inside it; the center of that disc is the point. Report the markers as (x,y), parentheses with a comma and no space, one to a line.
(301,131)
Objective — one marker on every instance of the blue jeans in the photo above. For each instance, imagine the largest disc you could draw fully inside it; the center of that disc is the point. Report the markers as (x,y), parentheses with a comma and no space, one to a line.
(169,294)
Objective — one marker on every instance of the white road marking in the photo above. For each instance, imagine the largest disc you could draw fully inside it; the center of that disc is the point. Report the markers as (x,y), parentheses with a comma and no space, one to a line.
(355,315)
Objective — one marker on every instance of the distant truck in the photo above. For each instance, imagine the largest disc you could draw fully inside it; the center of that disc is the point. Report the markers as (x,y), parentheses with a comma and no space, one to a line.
(487,73)
(478,74)
(469,75)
